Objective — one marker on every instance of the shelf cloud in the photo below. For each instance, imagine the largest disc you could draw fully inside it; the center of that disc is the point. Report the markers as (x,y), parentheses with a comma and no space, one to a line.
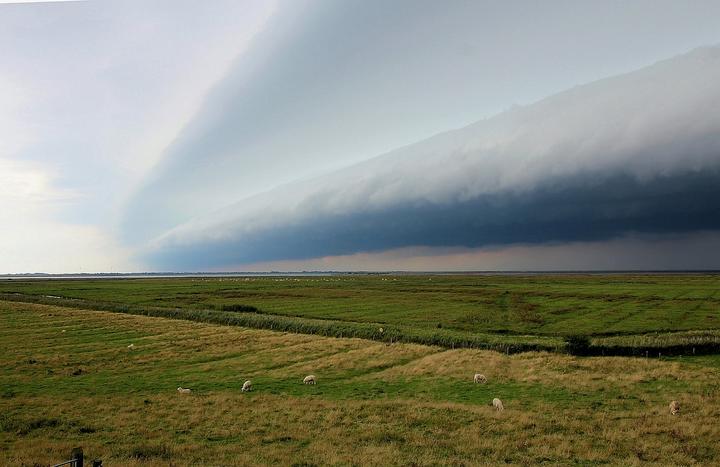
(635,153)
(327,84)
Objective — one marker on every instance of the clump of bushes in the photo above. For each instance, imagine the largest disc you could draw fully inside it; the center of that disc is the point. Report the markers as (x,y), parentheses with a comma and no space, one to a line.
(239,308)
(577,345)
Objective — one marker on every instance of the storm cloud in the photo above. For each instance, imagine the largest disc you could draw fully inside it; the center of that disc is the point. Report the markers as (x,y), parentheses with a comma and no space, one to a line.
(327,84)
(636,153)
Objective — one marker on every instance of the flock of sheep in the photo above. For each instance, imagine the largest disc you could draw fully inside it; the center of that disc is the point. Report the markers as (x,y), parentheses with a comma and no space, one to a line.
(247,385)
(311,379)
(478,379)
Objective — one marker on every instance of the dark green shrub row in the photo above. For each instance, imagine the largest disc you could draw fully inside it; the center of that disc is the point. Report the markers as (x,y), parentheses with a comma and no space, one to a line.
(582,346)
(654,351)
(239,307)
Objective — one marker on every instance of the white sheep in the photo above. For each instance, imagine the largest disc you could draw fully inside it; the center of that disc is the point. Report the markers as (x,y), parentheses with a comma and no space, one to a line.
(480,379)
(674,407)
(309,379)
(247,386)
(131,346)
(183,390)
(497,403)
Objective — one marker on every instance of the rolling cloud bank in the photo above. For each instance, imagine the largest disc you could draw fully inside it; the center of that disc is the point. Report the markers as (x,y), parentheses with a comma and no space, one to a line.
(633,154)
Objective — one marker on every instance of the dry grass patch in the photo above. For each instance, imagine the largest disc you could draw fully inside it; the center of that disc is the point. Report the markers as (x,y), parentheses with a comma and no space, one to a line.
(366,357)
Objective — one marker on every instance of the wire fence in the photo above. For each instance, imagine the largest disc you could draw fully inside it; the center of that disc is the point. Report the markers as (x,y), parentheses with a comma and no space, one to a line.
(77,459)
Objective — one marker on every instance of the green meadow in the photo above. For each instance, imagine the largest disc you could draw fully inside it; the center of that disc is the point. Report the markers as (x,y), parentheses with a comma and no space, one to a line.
(532,304)
(503,312)
(68,378)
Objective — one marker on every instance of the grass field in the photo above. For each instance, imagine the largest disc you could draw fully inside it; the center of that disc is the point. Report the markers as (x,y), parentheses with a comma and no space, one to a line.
(533,304)
(534,311)
(68,379)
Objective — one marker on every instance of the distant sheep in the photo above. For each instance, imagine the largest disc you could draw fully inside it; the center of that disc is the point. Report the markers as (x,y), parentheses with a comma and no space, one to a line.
(182,390)
(309,379)
(131,346)
(247,386)
(674,407)
(497,403)
(480,379)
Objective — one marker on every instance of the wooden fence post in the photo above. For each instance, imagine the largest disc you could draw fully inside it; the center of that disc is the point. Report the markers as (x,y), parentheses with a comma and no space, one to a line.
(77,456)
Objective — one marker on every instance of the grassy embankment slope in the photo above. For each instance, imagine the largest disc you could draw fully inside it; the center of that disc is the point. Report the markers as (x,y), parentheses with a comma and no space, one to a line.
(374,403)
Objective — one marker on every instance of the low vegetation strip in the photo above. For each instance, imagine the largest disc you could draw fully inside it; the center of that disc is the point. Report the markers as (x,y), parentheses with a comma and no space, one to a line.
(701,342)
(659,345)
(330,328)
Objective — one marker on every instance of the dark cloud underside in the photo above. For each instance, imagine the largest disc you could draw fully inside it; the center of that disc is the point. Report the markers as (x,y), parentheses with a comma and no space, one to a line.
(581,208)
(635,153)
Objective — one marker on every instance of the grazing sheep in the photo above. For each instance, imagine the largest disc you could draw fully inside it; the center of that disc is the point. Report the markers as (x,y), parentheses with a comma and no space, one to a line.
(309,379)
(480,379)
(674,407)
(247,386)
(497,403)
(183,390)
(131,346)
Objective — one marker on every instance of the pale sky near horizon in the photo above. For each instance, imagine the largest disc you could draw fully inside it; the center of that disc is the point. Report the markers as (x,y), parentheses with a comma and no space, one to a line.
(125,125)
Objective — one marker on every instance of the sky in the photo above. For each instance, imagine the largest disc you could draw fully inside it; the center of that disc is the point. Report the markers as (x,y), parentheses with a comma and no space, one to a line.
(225,135)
